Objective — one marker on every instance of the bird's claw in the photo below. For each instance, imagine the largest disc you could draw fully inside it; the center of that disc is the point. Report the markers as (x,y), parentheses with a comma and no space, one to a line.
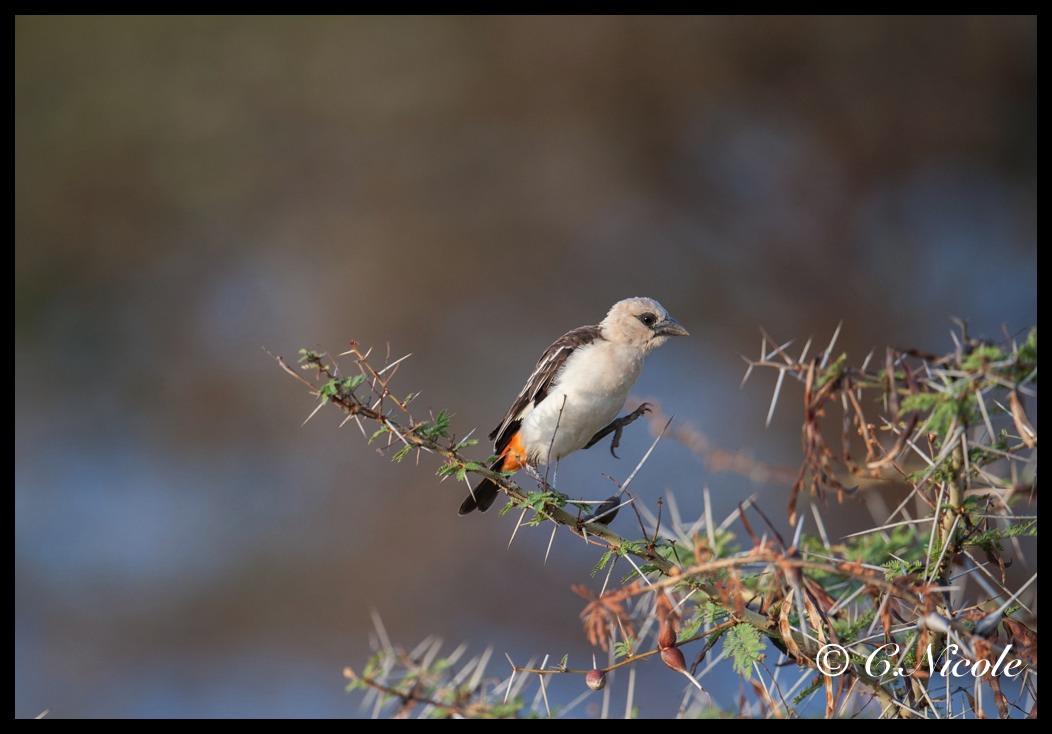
(620,423)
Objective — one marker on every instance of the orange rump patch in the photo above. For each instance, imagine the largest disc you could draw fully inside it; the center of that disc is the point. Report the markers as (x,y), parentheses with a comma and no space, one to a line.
(514,454)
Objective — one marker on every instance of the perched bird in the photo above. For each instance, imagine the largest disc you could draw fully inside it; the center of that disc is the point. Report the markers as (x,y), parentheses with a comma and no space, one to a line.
(576,390)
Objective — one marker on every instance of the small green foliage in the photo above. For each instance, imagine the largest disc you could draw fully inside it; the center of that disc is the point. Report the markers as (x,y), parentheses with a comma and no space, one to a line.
(945,409)
(630,576)
(374,665)
(401,453)
(980,455)
(631,547)
(832,372)
(922,402)
(459,469)
(1012,609)
(849,629)
(910,647)
(981,356)
(625,648)
(990,540)
(373,669)
(340,388)
(900,540)
(436,429)
(310,359)
(603,560)
(712,612)
(466,443)
(634,548)
(507,709)
(818,683)
(537,500)
(690,627)
(1026,356)
(744,646)
(895,568)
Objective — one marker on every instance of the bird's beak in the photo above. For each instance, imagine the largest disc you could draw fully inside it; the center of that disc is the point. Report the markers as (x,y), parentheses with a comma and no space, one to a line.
(670,327)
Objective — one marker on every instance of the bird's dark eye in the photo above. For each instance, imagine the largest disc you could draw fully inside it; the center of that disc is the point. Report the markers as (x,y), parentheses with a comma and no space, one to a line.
(648,319)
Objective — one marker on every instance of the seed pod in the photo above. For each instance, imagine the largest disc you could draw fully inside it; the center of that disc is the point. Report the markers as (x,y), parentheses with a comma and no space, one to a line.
(673,658)
(595,679)
(667,637)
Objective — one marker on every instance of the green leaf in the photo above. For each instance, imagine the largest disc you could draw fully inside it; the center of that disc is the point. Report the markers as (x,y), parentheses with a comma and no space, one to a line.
(341,388)
(603,560)
(309,358)
(1026,357)
(744,646)
(624,649)
(832,372)
(436,429)
(981,356)
(990,540)
(690,627)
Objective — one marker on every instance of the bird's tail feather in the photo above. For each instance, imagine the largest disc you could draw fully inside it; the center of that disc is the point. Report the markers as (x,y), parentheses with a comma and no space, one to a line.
(481,498)
(484,494)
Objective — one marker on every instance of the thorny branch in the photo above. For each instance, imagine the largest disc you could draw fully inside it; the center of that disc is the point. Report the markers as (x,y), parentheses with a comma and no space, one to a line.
(953,429)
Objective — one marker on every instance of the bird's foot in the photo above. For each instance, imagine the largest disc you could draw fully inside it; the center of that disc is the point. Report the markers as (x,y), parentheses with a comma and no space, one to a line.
(616,427)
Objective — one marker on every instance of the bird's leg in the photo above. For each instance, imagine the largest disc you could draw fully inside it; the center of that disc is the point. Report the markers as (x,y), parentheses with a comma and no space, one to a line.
(615,427)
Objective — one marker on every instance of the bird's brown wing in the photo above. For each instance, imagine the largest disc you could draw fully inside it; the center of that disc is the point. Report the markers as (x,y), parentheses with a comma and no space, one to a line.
(544,373)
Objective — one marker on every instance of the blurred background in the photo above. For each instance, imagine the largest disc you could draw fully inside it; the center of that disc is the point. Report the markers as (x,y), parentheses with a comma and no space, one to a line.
(190,191)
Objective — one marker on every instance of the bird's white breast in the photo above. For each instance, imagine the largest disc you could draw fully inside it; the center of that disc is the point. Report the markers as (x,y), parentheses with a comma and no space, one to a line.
(588,393)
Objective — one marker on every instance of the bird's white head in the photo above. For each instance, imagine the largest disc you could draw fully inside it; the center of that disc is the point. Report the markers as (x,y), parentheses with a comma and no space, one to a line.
(640,322)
